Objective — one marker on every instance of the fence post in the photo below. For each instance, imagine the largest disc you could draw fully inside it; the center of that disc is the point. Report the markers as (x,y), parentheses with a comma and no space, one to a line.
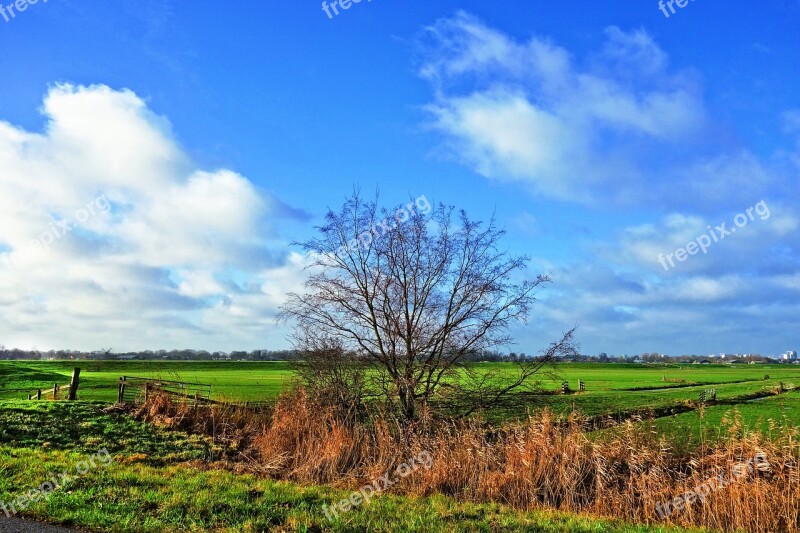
(121,391)
(55,391)
(38,394)
(73,385)
(146,392)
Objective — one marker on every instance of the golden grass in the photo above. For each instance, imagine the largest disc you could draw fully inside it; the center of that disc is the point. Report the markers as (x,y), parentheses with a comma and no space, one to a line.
(541,462)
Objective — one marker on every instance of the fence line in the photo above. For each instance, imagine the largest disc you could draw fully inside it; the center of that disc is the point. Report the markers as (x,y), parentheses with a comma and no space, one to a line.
(133,389)
(71,387)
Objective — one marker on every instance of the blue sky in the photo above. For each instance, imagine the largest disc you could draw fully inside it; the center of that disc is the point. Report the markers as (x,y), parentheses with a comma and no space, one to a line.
(219,133)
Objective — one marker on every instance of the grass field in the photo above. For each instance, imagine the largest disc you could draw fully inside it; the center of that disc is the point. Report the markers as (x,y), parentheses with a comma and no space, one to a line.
(766,415)
(161,481)
(169,481)
(610,388)
(232,381)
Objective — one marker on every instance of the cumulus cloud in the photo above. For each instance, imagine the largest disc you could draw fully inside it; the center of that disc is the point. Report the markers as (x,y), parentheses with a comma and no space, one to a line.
(108,231)
(749,248)
(617,126)
(634,311)
(739,297)
(622,130)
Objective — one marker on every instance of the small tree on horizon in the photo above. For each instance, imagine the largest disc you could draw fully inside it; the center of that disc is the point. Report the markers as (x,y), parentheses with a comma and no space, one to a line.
(414,293)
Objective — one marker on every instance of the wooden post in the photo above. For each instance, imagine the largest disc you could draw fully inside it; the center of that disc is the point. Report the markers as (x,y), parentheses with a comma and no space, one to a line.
(73,385)
(30,396)
(38,394)
(146,392)
(121,392)
(55,391)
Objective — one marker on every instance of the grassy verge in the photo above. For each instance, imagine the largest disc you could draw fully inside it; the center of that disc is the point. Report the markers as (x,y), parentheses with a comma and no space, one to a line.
(132,496)
(158,481)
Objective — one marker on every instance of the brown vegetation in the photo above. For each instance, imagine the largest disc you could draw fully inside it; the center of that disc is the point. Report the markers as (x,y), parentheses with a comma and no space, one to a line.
(542,462)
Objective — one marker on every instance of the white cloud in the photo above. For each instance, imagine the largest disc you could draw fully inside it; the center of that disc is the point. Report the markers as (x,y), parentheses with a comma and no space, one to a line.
(643,246)
(616,126)
(528,112)
(739,297)
(621,128)
(177,256)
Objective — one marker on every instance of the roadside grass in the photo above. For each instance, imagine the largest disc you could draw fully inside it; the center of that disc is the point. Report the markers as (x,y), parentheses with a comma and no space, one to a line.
(158,481)
(140,497)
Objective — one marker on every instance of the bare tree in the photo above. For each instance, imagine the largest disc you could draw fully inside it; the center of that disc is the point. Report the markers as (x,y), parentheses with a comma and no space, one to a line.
(415,292)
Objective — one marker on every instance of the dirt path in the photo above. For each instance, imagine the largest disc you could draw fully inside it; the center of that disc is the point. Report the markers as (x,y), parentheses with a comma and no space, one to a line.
(19,525)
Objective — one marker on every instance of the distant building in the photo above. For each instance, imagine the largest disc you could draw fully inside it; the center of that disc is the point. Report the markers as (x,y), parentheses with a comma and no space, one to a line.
(790,356)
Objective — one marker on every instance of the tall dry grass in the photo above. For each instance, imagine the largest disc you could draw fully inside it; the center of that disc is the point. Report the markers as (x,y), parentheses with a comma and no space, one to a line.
(541,462)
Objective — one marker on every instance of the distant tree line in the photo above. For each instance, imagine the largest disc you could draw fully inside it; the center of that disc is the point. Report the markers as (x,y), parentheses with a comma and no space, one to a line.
(485,356)
(168,355)
(489,356)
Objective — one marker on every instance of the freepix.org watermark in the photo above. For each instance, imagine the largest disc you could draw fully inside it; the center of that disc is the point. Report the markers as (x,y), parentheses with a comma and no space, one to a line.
(663,5)
(58,230)
(332,9)
(96,460)
(421,206)
(703,490)
(714,235)
(367,492)
(10,11)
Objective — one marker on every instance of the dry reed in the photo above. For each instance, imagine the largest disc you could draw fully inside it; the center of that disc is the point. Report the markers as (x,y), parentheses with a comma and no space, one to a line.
(540,462)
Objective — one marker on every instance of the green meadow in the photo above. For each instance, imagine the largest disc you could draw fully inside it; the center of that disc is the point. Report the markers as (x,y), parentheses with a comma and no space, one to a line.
(611,389)
(615,390)
(164,480)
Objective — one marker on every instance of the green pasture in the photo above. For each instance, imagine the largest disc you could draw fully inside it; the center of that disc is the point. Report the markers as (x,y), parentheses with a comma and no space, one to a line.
(611,389)
(771,416)
(230,381)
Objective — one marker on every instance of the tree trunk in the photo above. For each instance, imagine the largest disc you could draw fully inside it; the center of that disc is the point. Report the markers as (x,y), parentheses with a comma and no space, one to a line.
(408,406)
